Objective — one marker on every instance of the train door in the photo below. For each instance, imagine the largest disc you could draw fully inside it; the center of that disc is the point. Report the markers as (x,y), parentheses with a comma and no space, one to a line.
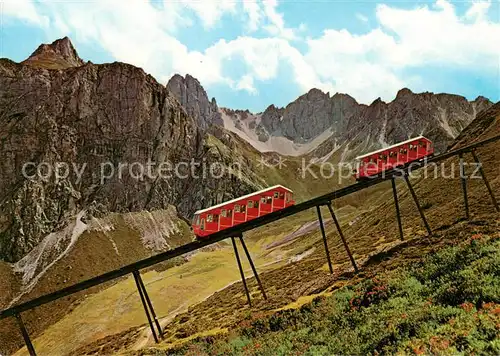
(226,217)
(278,199)
(212,222)
(403,155)
(393,159)
(265,205)
(239,213)
(252,208)
(413,151)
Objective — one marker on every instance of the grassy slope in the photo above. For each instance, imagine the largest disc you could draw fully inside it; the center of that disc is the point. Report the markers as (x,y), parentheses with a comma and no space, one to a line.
(118,308)
(374,230)
(448,303)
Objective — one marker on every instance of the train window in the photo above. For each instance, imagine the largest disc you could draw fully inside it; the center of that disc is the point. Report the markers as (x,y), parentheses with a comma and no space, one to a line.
(237,208)
(216,217)
(282,196)
(256,204)
(288,197)
(276,195)
(223,213)
(250,203)
(202,224)
(243,208)
(229,213)
(263,200)
(269,200)
(210,218)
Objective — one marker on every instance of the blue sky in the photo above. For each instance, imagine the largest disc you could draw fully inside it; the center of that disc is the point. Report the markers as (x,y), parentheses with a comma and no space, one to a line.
(250,54)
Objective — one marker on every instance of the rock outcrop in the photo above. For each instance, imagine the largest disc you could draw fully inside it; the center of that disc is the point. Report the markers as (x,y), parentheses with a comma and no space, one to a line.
(194,99)
(100,138)
(441,117)
(60,54)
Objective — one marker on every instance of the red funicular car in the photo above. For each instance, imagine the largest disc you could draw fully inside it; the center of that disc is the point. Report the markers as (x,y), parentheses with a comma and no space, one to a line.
(242,209)
(398,155)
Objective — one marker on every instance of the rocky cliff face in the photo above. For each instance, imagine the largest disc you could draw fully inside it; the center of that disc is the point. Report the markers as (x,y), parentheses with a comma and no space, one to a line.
(194,99)
(97,138)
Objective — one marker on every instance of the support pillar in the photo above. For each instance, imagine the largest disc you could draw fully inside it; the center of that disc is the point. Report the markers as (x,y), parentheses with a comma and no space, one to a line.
(325,243)
(144,304)
(463,178)
(26,335)
(342,237)
(241,270)
(415,199)
(398,213)
(256,275)
(150,305)
(485,180)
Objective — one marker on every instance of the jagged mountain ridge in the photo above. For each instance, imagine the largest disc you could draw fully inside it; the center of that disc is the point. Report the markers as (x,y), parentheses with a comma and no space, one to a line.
(441,117)
(194,99)
(91,116)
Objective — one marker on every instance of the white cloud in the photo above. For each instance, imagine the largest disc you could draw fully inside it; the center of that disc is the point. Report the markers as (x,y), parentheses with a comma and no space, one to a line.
(428,36)
(210,11)
(254,13)
(361,17)
(246,83)
(277,23)
(371,65)
(478,10)
(22,10)
(365,65)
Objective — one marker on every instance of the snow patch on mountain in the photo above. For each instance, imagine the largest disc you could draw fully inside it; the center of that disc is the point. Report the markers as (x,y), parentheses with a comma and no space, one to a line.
(53,247)
(247,128)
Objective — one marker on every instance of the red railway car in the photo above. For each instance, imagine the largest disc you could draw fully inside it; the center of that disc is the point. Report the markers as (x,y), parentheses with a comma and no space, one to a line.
(242,209)
(398,155)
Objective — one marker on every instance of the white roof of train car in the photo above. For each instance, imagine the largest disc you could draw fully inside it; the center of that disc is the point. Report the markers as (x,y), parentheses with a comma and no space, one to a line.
(240,198)
(392,146)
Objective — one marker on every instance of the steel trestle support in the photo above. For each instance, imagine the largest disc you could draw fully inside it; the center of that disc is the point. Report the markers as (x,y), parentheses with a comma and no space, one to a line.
(485,180)
(148,307)
(241,270)
(26,335)
(415,199)
(463,178)
(256,275)
(322,226)
(398,212)
(353,262)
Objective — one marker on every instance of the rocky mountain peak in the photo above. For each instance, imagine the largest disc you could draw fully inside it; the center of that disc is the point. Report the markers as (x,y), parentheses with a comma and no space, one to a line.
(60,54)
(403,93)
(194,99)
(315,93)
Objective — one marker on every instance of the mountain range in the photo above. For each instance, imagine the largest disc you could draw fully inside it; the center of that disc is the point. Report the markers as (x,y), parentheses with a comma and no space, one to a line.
(54,107)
